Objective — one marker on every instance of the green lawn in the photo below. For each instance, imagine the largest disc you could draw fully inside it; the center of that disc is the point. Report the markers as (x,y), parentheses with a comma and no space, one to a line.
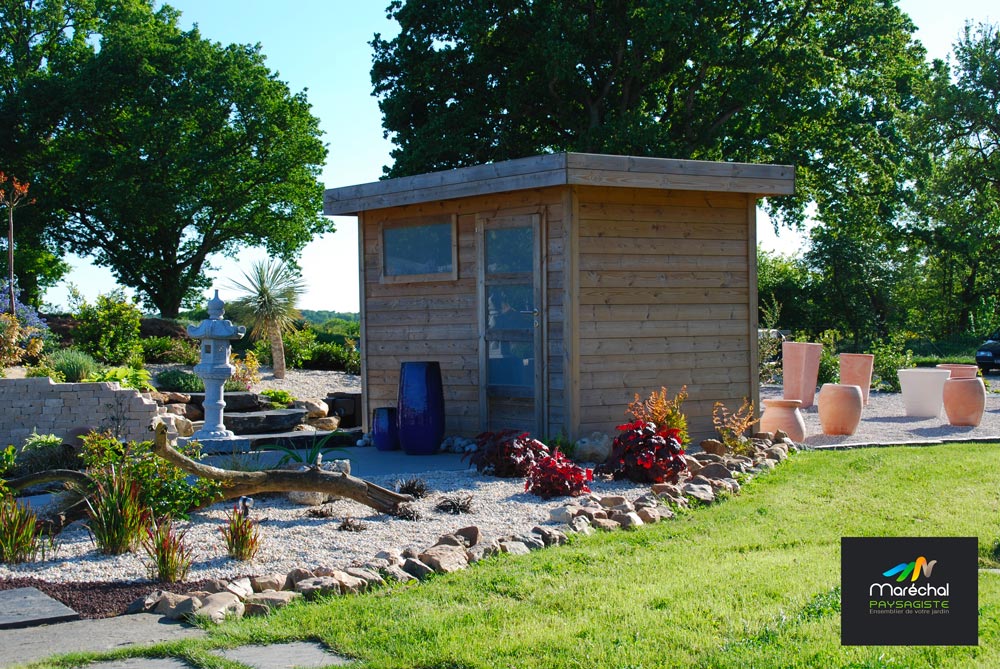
(751,582)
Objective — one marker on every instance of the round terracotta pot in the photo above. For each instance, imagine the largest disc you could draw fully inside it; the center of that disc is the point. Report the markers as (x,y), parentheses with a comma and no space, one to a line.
(840,408)
(856,370)
(784,415)
(964,401)
(799,370)
(960,371)
(923,389)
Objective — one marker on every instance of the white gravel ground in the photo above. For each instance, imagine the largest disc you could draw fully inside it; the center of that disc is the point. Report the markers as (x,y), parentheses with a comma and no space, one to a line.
(293,539)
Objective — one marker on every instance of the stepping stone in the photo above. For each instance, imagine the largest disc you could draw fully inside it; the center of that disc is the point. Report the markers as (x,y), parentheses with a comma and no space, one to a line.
(28,607)
(141,663)
(298,654)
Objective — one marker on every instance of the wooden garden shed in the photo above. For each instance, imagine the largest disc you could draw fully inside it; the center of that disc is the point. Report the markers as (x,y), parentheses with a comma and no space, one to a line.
(552,289)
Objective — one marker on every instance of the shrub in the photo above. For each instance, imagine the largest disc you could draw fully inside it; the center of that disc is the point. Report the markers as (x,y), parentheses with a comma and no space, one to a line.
(169,351)
(829,362)
(645,454)
(335,357)
(350,524)
(455,504)
(108,329)
(661,411)
(278,396)
(44,368)
(890,356)
(298,348)
(557,476)
(126,377)
(179,381)
(171,557)
(415,487)
(732,427)
(42,452)
(17,341)
(508,453)
(73,364)
(163,488)
(241,533)
(246,372)
(117,516)
(19,537)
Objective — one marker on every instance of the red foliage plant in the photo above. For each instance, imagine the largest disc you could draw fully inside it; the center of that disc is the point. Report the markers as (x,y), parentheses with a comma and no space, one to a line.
(508,453)
(645,454)
(557,476)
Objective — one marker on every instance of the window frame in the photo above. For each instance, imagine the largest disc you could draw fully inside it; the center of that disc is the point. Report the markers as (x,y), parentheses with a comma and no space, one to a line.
(451,219)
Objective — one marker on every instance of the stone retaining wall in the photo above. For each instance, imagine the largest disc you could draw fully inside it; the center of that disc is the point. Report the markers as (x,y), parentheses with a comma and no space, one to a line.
(57,408)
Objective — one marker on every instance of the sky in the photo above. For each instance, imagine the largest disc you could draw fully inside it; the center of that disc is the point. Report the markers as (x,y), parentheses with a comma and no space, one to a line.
(322,46)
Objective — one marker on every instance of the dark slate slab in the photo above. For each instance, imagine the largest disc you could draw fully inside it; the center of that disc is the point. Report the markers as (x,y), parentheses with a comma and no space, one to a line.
(28,607)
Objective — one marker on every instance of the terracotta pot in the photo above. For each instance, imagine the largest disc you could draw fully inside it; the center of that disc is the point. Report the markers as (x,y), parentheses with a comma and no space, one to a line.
(840,408)
(960,371)
(783,415)
(923,391)
(800,371)
(964,401)
(856,370)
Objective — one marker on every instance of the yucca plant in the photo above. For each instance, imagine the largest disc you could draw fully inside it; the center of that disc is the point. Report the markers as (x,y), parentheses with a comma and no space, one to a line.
(241,533)
(117,515)
(171,557)
(19,539)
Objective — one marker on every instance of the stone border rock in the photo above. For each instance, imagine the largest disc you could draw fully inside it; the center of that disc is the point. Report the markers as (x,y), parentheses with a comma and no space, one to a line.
(709,474)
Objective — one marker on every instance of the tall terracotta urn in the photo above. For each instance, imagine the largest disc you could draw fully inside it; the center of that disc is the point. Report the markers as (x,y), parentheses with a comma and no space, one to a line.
(856,370)
(840,407)
(800,371)
(923,391)
(784,415)
(964,401)
(960,371)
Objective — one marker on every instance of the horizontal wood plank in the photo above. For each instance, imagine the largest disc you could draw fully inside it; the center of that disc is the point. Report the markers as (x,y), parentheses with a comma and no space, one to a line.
(662,279)
(674,262)
(641,346)
(617,296)
(663,247)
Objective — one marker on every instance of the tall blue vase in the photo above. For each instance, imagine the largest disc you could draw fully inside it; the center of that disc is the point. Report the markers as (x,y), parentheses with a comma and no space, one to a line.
(385,433)
(421,407)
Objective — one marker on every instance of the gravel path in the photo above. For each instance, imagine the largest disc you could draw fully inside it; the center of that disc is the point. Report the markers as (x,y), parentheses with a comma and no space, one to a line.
(884,421)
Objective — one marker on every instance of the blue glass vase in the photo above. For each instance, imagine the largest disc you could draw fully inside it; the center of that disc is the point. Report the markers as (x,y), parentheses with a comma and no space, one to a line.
(385,434)
(420,404)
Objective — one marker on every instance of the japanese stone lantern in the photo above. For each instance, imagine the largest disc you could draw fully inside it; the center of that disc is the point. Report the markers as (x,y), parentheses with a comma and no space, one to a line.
(214,369)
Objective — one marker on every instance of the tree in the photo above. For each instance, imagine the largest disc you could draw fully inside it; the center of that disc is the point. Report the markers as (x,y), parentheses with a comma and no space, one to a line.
(956,203)
(272,289)
(13,194)
(821,85)
(179,148)
(40,42)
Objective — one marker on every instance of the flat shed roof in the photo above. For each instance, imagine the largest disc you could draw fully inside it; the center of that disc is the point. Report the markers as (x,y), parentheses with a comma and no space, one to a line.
(562,169)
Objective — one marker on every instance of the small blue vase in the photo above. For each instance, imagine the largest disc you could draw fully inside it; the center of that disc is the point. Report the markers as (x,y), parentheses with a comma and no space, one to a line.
(385,434)
(420,404)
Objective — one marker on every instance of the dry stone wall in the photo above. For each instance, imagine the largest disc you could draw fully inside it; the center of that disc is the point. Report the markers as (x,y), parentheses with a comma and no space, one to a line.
(59,408)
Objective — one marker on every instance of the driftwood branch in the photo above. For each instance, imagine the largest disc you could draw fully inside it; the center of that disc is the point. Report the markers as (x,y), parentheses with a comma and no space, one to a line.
(237,484)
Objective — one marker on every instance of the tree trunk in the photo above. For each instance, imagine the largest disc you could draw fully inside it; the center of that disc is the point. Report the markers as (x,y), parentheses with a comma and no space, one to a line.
(237,484)
(277,351)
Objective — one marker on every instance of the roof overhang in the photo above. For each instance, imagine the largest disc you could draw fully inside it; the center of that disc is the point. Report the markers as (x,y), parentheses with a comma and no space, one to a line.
(562,169)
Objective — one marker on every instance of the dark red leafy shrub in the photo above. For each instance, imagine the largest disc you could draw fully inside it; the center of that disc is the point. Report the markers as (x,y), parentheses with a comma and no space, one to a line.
(508,453)
(645,454)
(557,476)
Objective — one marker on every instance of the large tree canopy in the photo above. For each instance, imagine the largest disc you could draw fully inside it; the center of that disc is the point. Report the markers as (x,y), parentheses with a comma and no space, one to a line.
(181,148)
(149,148)
(820,84)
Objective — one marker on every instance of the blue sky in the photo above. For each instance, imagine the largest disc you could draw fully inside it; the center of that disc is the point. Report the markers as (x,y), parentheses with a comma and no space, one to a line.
(322,46)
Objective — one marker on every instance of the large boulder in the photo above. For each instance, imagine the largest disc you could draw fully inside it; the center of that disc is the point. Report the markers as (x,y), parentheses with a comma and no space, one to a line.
(264,422)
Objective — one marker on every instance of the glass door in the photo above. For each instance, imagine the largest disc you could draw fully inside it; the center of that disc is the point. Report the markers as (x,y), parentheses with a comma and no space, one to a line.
(510,302)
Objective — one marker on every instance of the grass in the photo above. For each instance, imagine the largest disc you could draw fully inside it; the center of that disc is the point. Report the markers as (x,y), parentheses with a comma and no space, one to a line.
(752,582)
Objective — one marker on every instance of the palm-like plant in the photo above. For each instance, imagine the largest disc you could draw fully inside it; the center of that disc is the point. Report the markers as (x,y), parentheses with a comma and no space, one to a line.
(271,290)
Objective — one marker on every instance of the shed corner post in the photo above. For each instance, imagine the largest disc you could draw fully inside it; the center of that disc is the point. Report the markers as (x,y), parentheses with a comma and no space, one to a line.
(752,303)
(571,313)
(363,337)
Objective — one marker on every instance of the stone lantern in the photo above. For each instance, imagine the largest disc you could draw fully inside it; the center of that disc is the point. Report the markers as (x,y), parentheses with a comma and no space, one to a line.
(214,369)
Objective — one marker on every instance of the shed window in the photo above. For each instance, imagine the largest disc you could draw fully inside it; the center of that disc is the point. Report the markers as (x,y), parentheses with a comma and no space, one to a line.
(424,249)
